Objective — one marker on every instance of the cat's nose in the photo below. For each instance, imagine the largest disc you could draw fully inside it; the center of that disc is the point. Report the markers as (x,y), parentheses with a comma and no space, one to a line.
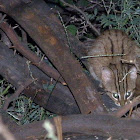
(122,102)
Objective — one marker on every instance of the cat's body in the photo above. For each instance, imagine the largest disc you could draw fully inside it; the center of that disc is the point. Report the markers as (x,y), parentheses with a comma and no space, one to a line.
(118,79)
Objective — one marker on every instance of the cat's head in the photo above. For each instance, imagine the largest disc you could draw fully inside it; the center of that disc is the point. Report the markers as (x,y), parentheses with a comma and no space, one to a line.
(119,85)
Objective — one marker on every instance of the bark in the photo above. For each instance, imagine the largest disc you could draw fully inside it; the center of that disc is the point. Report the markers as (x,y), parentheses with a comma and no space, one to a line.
(17,72)
(102,125)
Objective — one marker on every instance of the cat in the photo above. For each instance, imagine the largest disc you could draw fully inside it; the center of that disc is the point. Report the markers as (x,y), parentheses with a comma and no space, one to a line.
(115,71)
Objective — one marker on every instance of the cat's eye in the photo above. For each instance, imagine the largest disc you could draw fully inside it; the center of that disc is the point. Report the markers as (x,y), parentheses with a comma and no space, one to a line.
(128,95)
(116,96)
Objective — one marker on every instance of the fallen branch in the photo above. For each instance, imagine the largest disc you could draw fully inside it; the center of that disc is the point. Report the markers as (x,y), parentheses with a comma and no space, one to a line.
(23,49)
(101,125)
(16,71)
(4,131)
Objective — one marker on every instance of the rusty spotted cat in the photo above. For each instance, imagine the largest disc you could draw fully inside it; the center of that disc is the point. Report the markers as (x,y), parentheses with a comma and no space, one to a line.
(117,78)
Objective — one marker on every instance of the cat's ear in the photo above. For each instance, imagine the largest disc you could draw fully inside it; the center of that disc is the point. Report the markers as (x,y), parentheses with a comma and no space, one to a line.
(108,80)
(133,73)
(132,77)
(107,75)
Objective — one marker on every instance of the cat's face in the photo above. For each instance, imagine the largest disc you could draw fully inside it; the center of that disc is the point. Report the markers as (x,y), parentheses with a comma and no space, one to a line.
(119,86)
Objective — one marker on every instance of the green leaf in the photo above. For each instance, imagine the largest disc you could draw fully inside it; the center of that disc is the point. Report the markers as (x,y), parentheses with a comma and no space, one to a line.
(95,11)
(48,87)
(5,91)
(72,29)
(82,3)
(90,16)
